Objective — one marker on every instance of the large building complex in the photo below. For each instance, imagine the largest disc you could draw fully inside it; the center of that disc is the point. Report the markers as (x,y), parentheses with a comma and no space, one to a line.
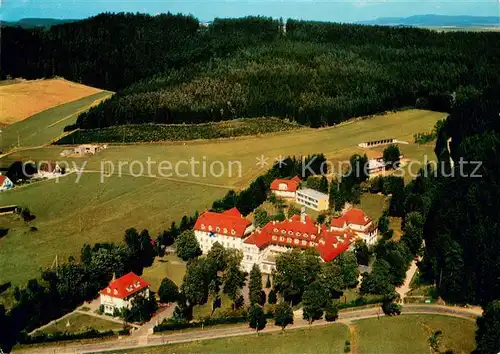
(261,246)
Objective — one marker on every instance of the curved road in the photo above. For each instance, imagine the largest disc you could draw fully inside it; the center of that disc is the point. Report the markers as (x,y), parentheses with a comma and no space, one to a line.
(345,317)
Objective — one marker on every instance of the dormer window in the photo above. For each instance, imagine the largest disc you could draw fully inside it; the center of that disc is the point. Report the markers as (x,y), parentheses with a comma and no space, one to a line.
(283,231)
(282,238)
(203,226)
(210,227)
(304,243)
(233,232)
(289,240)
(275,230)
(108,290)
(296,241)
(115,291)
(217,229)
(313,237)
(225,230)
(290,233)
(297,234)
(274,237)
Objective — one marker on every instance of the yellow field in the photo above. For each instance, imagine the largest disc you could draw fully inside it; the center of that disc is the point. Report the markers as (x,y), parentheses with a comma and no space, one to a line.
(21,100)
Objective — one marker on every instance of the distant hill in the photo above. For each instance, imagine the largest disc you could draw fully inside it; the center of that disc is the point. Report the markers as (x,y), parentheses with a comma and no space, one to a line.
(436,20)
(37,22)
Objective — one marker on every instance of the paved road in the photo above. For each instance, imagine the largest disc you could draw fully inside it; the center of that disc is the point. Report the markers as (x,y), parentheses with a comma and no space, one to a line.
(345,317)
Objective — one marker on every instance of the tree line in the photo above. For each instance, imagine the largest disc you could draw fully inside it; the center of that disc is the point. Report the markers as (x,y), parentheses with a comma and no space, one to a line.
(167,69)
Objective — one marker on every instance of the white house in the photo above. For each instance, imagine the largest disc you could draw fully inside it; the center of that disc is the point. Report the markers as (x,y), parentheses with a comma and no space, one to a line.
(228,228)
(120,292)
(285,188)
(47,169)
(5,183)
(358,222)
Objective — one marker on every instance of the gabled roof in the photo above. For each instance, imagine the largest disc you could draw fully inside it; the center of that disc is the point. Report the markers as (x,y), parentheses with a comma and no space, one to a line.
(353,216)
(333,243)
(125,286)
(229,223)
(291,184)
(303,234)
(296,179)
(357,217)
(2,179)
(232,212)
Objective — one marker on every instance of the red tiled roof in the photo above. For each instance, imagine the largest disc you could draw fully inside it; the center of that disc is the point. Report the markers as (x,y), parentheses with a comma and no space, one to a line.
(125,286)
(357,216)
(295,233)
(226,223)
(2,179)
(296,179)
(232,212)
(291,185)
(333,243)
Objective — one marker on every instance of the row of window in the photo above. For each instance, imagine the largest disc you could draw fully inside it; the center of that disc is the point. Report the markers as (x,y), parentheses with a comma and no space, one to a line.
(207,242)
(218,229)
(290,232)
(295,241)
(314,205)
(305,197)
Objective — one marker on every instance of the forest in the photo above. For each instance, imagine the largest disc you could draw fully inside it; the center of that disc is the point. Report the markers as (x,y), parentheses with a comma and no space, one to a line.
(168,69)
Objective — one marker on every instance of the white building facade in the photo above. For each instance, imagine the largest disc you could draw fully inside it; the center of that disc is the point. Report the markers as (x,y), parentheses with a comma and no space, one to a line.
(120,292)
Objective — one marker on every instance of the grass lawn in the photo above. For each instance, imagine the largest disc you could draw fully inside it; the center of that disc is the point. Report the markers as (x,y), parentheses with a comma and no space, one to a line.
(337,143)
(372,204)
(324,339)
(69,214)
(410,334)
(47,125)
(168,267)
(202,311)
(79,322)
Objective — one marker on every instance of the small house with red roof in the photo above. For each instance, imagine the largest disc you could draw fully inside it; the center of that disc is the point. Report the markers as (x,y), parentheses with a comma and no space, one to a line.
(120,292)
(285,188)
(5,183)
(229,228)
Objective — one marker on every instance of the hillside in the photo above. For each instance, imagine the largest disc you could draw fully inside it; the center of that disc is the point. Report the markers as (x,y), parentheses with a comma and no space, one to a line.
(436,20)
(37,22)
(316,74)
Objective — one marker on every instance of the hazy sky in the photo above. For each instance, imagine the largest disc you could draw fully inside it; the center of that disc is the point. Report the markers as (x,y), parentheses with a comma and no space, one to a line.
(326,10)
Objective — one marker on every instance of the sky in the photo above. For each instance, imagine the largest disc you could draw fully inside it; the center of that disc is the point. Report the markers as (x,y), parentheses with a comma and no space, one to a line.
(205,10)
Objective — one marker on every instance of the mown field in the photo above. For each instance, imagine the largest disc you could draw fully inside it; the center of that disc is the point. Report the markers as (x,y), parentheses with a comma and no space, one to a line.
(70,214)
(44,127)
(78,322)
(406,334)
(22,99)
(327,339)
(410,334)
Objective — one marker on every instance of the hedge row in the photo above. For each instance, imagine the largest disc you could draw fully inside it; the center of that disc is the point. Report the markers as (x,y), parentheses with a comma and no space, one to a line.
(166,132)
(65,336)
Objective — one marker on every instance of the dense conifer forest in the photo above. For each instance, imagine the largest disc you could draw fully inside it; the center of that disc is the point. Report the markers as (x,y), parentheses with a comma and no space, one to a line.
(170,69)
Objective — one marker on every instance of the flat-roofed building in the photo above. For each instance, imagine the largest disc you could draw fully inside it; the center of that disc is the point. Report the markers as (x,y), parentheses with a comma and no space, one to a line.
(312,199)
